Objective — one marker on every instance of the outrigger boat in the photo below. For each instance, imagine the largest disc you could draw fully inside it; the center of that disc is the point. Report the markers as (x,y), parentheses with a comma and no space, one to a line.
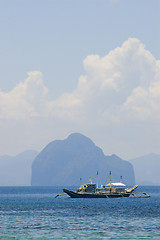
(111,190)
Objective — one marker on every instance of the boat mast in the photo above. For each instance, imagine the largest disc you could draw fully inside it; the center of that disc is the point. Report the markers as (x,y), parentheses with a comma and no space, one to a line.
(90,179)
(80,181)
(97,179)
(110,177)
(110,180)
(121,179)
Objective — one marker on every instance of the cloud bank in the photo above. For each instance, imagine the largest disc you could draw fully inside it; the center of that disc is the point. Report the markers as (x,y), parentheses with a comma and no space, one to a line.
(120,88)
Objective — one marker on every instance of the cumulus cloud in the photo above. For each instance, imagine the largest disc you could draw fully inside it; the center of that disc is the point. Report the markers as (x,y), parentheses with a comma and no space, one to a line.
(145,103)
(117,89)
(124,82)
(26,100)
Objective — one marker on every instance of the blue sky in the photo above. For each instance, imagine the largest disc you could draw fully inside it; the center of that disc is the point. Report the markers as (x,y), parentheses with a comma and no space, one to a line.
(55,38)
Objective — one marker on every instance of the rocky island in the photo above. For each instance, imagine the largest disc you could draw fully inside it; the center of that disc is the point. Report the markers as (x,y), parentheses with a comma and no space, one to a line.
(65,162)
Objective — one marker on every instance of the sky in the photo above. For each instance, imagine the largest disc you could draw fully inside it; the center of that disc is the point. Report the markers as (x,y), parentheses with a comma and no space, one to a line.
(87,66)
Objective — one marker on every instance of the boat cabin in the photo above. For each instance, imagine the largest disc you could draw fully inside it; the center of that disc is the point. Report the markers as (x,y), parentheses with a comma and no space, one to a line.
(90,188)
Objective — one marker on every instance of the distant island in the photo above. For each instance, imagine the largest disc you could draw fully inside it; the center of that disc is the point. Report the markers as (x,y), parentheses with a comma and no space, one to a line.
(16,170)
(146,169)
(65,162)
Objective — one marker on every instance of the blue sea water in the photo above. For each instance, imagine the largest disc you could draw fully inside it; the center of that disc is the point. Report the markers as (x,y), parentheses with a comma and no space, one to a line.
(35,213)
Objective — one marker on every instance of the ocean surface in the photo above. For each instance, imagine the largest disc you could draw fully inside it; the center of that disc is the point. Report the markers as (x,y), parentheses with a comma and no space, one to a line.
(35,213)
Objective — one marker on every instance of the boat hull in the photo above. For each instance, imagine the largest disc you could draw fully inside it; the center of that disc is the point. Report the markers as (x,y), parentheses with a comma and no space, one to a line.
(95,195)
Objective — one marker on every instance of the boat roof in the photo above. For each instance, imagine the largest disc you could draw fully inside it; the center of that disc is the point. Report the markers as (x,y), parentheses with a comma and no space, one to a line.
(118,184)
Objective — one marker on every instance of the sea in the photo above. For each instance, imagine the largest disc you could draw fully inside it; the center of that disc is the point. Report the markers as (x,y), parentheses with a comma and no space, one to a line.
(35,213)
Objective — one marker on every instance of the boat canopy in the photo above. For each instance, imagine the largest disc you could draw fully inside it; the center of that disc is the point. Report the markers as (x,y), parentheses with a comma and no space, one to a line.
(119,184)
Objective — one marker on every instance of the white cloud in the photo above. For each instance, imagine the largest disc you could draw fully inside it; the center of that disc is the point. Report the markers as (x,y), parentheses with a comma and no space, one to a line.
(125,81)
(117,89)
(145,103)
(26,100)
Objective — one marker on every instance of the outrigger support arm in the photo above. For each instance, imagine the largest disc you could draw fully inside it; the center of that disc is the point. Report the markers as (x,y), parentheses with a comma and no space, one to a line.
(131,189)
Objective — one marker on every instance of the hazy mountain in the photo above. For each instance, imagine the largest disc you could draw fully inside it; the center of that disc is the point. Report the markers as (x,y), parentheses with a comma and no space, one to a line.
(64,162)
(16,170)
(147,169)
